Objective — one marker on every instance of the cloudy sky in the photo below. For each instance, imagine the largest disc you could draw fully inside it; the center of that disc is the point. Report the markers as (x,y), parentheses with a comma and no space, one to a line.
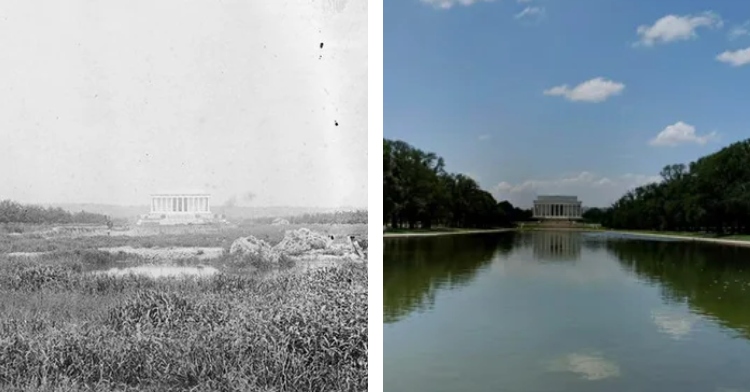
(107,102)
(582,97)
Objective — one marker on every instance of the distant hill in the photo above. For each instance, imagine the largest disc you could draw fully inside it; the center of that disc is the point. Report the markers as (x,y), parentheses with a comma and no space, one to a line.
(232,213)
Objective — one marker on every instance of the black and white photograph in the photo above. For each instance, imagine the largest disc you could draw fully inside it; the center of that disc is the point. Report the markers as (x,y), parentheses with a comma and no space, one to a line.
(184,195)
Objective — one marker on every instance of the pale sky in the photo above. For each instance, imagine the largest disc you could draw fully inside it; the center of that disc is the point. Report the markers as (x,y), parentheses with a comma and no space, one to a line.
(108,102)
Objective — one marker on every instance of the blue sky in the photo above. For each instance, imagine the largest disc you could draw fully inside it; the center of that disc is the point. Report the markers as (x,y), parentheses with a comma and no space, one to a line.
(583,97)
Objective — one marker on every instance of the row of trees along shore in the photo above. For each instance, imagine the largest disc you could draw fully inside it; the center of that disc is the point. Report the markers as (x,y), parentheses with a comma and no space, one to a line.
(709,195)
(419,193)
(13,212)
(320,218)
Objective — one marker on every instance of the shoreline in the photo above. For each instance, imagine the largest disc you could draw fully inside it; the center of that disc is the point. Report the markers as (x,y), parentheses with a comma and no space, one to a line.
(437,233)
(720,241)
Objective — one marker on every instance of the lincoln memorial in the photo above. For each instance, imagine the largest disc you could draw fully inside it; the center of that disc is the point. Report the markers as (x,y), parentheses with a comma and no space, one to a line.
(556,245)
(557,208)
(179,208)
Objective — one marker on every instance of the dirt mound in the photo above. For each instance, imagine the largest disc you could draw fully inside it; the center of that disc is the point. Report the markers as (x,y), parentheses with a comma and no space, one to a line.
(297,242)
(255,248)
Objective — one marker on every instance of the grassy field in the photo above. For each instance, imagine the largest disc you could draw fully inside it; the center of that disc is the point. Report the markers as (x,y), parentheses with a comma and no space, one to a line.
(265,328)
(38,241)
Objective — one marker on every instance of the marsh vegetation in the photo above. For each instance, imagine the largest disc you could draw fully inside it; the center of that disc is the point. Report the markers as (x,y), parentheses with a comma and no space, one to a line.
(251,325)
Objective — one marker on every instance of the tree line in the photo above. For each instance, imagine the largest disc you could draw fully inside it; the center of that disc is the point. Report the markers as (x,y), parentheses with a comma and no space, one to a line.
(326,218)
(13,212)
(711,194)
(419,193)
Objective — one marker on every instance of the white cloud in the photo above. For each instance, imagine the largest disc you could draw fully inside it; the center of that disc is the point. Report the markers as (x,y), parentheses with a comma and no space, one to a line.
(446,4)
(485,137)
(591,366)
(739,30)
(737,58)
(673,28)
(674,324)
(594,90)
(680,133)
(530,12)
(593,190)
(523,1)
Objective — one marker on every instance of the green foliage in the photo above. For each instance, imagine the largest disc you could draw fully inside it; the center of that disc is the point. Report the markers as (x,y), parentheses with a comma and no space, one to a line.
(418,192)
(709,195)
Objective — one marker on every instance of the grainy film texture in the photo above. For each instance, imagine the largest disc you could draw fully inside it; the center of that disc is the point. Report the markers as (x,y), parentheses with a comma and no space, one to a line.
(183,195)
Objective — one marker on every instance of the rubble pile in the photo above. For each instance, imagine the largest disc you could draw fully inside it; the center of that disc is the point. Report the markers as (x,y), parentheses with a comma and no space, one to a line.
(302,244)
(255,248)
(297,242)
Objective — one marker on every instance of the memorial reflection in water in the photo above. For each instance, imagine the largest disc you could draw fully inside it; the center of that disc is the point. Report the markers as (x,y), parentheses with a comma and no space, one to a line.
(557,245)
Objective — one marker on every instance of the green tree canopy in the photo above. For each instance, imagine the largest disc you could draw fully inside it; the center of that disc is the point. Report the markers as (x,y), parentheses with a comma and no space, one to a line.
(711,194)
(418,192)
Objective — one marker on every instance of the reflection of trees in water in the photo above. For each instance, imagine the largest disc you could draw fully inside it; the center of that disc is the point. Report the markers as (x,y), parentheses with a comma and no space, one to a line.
(556,245)
(592,242)
(414,269)
(713,280)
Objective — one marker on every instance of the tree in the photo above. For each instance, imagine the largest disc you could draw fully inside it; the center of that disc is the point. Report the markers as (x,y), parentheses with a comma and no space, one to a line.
(418,192)
(711,194)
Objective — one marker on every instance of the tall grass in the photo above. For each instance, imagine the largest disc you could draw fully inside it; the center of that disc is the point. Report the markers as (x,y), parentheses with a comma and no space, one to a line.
(62,329)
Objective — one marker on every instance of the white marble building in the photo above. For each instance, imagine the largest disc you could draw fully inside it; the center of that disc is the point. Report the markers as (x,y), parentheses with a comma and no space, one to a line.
(179,208)
(556,245)
(557,208)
